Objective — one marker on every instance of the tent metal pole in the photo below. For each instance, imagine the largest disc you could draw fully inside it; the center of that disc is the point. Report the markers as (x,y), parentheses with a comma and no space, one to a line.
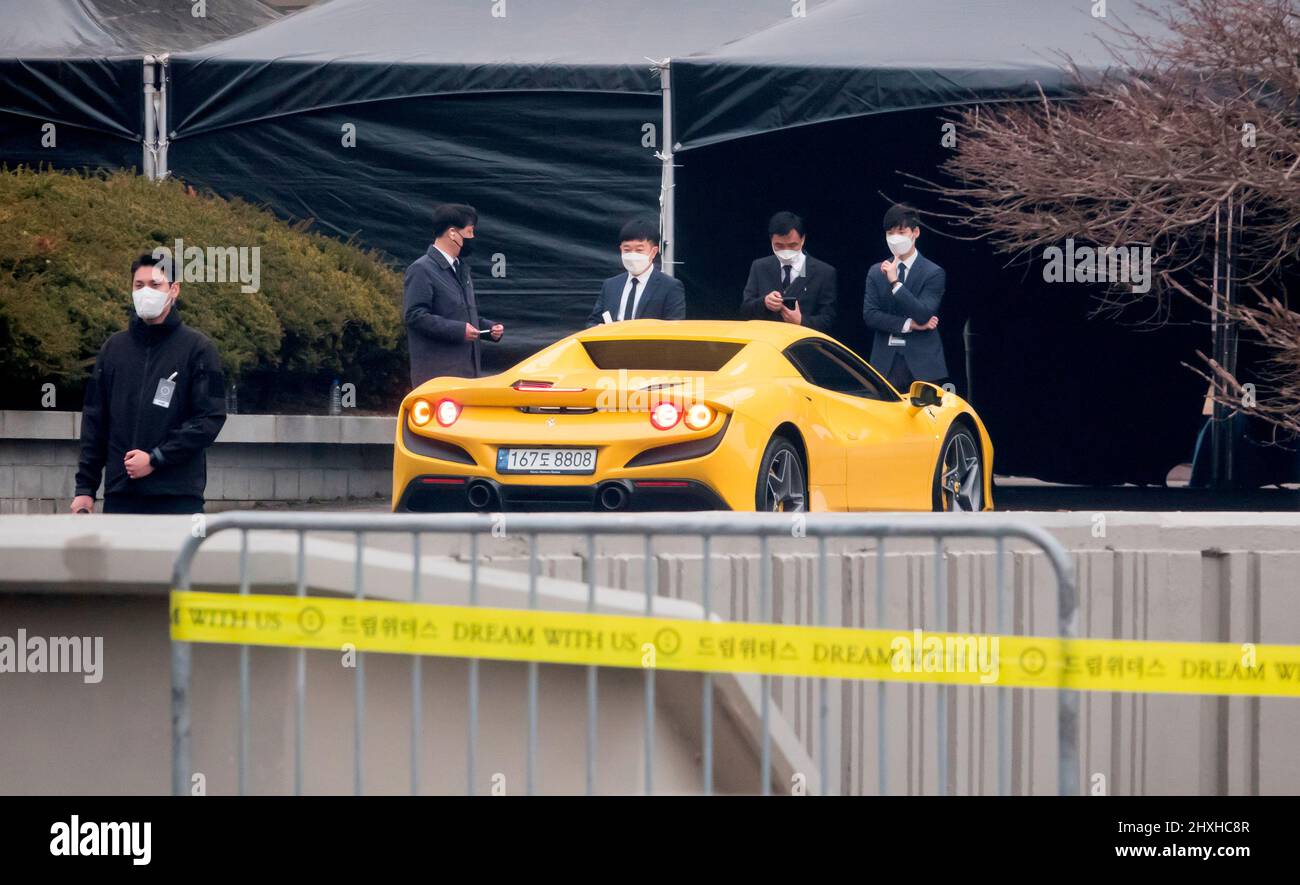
(667,204)
(150,122)
(163,169)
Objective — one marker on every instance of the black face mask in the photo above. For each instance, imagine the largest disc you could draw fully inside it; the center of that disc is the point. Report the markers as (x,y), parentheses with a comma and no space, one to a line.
(466,247)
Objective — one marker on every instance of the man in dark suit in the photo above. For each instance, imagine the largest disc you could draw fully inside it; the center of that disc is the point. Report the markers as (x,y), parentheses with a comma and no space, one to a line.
(902,306)
(788,275)
(643,292)
(443,325)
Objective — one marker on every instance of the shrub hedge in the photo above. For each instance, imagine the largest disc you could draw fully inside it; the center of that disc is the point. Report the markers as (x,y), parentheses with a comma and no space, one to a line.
(325,309)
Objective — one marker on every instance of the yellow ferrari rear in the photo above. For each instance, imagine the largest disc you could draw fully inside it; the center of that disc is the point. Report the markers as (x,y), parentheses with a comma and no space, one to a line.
(652,415)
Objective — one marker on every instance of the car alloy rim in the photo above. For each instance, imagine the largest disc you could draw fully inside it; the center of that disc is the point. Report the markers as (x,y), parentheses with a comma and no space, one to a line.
(785,492)
(962,489)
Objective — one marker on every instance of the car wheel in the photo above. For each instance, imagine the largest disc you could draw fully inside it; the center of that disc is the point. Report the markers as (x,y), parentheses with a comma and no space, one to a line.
(959,475)
(782,482)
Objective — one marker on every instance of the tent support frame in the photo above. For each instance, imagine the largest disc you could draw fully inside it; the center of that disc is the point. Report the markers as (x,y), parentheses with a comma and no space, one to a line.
(154,148)
(667,202)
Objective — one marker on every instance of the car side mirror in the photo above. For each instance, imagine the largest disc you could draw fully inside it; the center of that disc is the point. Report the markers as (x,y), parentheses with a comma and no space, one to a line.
(923,394)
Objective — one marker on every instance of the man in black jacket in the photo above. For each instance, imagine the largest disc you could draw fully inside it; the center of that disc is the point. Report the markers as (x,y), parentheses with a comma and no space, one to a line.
(788,285)
(156,400)
(443,326)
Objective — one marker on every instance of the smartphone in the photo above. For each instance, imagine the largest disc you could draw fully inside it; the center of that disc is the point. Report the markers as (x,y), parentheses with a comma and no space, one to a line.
(789,303)
(486,335)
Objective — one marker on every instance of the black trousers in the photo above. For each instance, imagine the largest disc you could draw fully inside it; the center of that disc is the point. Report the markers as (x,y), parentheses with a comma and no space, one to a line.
(153,505)
(897,372)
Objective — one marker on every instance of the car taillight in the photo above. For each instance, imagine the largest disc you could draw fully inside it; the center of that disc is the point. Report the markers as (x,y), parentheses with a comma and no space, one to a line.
(447,411)
(699,416)
(665,416)
(421,414)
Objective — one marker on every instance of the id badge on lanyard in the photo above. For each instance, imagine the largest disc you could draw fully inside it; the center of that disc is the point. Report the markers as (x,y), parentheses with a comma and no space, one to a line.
(166,387)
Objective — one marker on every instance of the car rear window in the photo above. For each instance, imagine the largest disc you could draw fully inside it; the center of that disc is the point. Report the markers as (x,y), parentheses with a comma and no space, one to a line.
(658,354)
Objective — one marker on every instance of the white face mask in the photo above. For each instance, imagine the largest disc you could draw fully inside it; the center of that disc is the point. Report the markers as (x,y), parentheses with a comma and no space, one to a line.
(149,302)
(635,263)
(787,256)
(899,244)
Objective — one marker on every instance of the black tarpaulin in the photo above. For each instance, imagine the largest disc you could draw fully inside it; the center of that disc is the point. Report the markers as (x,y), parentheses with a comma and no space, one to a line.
(76,64)
(854,58)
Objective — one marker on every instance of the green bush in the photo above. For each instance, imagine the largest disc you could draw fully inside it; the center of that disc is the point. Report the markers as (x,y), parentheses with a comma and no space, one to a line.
(325,309)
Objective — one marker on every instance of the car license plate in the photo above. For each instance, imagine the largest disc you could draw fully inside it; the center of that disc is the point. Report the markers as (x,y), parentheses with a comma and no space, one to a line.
(546,460)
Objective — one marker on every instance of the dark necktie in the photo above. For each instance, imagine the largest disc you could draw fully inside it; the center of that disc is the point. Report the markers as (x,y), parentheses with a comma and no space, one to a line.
(785,276)
(631,300)
(902,273)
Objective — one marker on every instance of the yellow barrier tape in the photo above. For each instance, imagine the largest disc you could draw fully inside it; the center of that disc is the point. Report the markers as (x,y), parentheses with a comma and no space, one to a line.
(552,637)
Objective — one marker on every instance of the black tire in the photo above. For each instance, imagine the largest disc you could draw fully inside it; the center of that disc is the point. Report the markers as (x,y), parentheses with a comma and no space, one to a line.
(956,477)
(782,484)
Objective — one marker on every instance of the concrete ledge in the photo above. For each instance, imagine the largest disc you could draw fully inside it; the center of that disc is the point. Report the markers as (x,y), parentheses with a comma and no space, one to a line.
(351,429)
(257,458)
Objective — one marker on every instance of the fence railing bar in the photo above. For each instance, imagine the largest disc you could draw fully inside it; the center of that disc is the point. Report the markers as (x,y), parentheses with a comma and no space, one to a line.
(245,701)
(897,525)
(592,698)
(882,768)
(359,683)
(1004,730)
(941,691)
(300,678)
(823,685)
(530,761)
(765,681)
(471,752)
(417,675)
(648,560)
(706,681)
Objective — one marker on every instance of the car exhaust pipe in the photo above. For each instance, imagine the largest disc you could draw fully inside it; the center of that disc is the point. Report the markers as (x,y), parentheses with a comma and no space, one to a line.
(480,495)
(613,496)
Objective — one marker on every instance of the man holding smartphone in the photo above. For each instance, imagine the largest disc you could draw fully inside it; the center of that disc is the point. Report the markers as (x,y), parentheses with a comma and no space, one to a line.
(789,285)
(443,326)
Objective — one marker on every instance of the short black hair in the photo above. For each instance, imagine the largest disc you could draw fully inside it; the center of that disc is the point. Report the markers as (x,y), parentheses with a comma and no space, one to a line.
(901,215)
(148,259)
(640,229)
(449,215)
(783,223)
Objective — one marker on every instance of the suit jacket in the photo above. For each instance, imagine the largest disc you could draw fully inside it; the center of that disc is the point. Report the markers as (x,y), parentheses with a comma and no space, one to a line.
(918,299)
(436,305)
(817,292)
(664,298)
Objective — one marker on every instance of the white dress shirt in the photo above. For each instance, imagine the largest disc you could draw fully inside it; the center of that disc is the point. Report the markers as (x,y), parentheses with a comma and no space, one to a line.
(623,308)
(452,260)
(796,266)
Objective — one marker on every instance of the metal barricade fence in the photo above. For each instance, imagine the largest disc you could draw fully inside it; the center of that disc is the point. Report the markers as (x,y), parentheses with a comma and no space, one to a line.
(815,529)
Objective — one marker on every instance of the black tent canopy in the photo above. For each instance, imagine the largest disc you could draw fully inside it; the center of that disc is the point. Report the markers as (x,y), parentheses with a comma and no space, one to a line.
(854,58)
(546,119)
(77,64)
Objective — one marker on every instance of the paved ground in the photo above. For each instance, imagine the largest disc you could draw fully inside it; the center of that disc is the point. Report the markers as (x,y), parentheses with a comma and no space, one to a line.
(1022,493)
(1034,495)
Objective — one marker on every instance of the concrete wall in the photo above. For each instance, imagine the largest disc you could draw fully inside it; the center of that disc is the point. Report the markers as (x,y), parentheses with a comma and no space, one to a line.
(256,459)
(1196,577)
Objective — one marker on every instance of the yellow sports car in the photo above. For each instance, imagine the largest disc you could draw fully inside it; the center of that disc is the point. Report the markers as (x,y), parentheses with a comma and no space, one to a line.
(655,415)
